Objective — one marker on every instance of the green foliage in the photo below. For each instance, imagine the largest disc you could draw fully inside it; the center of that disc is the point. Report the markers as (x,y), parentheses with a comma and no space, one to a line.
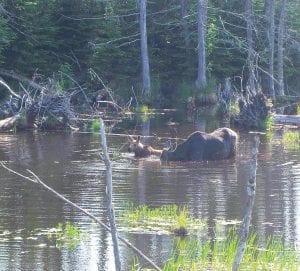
(65,78)
(184,91)
(67,38)
(192,254)
(170,218)
(144,109)
(67,234)
(267,123)
(95,126)
(291,139)
(6,36)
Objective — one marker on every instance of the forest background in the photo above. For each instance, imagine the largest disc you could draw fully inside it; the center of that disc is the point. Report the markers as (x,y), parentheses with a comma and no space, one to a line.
(72,40)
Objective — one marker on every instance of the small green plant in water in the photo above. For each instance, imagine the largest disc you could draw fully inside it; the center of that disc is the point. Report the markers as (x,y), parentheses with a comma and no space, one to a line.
(95,126)
(291,139)
(68,234)
(298,109)
(267,123)
(169,218)
(143,109)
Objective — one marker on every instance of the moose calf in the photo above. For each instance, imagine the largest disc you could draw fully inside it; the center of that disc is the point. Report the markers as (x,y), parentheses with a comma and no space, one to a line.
(140,150)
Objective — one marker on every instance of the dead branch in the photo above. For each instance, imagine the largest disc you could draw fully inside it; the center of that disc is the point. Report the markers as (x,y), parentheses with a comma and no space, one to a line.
(21,78)
(38,181)
(3,83)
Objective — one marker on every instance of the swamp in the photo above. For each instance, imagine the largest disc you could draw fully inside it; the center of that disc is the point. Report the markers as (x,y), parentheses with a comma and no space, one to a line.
(113,115)
(212,193)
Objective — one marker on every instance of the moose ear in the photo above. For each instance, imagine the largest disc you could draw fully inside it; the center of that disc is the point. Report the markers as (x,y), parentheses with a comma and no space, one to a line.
(138,139)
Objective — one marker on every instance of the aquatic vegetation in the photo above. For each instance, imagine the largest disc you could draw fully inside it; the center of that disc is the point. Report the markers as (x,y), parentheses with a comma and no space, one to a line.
(144,109)
(267,123)
(167,219)
(191,254)
(68,234)
(291,139)
(95,126)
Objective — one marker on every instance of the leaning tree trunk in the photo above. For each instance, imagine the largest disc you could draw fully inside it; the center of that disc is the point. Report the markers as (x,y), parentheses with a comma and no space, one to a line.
(280,47)
(144,48)
(201,81)
(270,11)
(249,24)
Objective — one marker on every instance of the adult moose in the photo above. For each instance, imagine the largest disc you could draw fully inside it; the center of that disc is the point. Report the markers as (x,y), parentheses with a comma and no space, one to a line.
(220,144)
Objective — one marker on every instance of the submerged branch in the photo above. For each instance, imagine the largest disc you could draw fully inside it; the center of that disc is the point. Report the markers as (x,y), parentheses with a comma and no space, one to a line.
(37,180)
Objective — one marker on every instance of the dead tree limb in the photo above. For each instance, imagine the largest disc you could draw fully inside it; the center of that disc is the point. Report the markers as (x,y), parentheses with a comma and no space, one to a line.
(244,231)
(3,83)
(109,189)
(36,180)
(21,78)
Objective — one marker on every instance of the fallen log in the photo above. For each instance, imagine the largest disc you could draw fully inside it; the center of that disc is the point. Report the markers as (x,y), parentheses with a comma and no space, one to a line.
(286,119)
(15,123)
(8,123)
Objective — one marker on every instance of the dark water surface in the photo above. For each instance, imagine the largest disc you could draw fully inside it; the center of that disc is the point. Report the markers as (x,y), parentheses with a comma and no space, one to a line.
(70,164)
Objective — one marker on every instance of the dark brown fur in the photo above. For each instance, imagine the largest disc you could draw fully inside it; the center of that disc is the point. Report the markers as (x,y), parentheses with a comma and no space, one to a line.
(140,150)
(220,144)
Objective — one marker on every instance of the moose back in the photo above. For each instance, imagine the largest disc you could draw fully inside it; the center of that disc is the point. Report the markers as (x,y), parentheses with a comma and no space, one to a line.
(220,144)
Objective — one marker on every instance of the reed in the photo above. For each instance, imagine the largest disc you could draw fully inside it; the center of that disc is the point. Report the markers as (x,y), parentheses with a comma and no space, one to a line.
(191,254)
(67,234)
(291,139)
(170,218)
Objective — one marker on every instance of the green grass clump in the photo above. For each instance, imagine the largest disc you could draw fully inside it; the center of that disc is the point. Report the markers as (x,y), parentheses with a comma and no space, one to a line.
(95,126)
(67,234)
(267,123)
(191,254)
(143,109)
(171,218)
(291,139)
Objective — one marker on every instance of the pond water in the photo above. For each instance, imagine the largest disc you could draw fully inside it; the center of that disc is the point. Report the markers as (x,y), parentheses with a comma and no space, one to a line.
(70,163)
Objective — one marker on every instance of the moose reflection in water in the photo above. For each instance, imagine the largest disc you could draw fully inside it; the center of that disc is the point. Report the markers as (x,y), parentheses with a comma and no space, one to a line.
(220,144)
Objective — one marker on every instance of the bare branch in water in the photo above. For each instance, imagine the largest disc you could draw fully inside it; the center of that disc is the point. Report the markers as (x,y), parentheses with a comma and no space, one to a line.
(35,179)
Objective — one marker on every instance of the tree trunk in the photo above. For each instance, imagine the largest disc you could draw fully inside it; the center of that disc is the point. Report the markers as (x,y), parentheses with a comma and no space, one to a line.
(270,11)
(249,24)
(184,23)
(201,81)
(109,194)
(280,47)
(144,48)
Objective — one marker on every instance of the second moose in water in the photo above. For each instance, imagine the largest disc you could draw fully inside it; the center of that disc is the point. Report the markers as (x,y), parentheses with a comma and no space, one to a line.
(220,144)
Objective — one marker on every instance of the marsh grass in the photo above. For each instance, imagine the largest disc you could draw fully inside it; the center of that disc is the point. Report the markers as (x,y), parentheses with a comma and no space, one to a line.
(268,123)
(291,139)
(167,218)
(67,234)
(95,126)
(190,254)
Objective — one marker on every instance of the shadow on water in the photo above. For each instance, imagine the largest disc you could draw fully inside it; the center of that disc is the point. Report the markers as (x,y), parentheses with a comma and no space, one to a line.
(70,163)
